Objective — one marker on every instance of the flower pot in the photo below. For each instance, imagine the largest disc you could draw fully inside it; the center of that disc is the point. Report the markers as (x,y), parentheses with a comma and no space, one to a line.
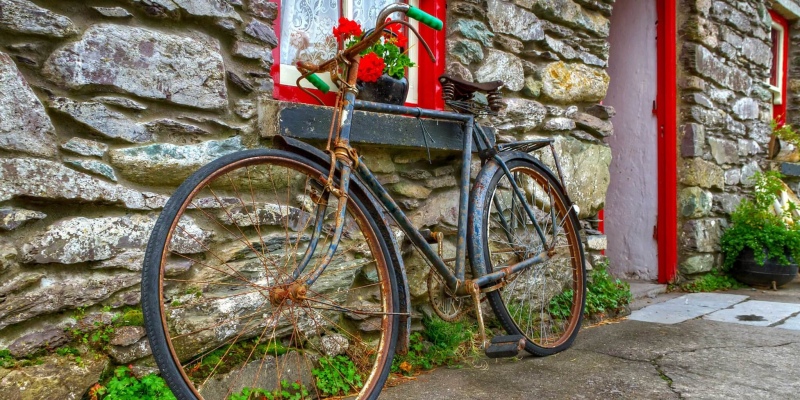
(385,90)
(746,270)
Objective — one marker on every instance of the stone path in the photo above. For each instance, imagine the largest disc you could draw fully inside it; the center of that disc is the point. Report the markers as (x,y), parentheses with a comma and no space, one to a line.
(733,308)
(742,344)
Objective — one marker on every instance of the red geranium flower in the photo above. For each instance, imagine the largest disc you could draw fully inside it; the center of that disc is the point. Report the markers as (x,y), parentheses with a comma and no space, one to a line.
(347,28)
(398,38)
(371,67)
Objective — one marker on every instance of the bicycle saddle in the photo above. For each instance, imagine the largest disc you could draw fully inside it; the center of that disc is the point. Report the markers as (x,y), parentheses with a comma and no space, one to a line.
(457,93)
(464,89)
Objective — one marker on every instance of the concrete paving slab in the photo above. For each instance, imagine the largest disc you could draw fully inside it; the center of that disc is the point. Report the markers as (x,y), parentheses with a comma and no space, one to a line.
(792,324)
(734,372)
(573,374)
(755,313)
(686,307)
(669,313)
(627,359)
(633,360)
(714,300)
(644,341)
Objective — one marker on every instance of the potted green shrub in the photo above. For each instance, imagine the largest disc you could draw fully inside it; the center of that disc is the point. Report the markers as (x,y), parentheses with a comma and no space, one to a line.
(785,143)
(762,245)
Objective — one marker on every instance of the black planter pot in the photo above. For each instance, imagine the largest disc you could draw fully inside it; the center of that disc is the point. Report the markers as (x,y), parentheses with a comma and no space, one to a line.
(746,270)
(385,90)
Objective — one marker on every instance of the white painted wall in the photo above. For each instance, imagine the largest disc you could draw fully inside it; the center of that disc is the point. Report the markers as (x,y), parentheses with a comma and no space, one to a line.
(631,203)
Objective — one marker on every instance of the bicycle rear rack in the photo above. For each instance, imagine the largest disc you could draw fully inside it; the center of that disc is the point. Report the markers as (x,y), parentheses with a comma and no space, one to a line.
(525,146)
(528,146)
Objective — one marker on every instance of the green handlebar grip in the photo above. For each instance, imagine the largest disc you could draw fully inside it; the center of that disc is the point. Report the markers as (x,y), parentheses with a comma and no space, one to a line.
(318,83)
(425,18)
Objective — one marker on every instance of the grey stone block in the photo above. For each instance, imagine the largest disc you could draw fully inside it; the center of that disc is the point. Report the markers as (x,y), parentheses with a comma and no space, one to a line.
(757,313)
(693,140)
(790,169)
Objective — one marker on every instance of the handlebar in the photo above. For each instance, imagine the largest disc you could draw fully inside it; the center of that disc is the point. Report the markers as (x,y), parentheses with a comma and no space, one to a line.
(425,18)
(369,40)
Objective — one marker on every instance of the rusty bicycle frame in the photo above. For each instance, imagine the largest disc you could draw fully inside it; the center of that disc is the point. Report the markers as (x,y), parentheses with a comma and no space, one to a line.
(346,161)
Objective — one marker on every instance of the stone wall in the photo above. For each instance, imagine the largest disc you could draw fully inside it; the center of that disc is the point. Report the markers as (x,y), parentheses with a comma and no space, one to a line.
(105,106)
(552,55)
(725,57)
(791,167)
(793,95)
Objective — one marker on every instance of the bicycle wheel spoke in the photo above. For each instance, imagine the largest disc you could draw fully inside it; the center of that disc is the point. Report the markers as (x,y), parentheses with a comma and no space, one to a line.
(236,317)
(543,302)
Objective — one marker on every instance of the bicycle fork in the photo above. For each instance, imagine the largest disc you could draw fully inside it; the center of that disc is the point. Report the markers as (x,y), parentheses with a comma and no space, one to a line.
(344,156)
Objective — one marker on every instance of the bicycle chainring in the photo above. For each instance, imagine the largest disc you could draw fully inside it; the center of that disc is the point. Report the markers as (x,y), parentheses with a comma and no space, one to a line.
(446,305)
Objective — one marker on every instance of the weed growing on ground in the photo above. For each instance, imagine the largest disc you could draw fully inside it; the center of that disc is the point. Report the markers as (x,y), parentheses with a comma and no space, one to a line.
(123,385)
(69,351)
(711,282)
(288,391)
(604,294)
(6,359)
(99,337)
(226,358)
(441,343)
(337,375)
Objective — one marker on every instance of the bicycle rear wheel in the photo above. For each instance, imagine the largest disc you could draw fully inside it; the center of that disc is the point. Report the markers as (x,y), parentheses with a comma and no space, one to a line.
(228,311)
(544,302)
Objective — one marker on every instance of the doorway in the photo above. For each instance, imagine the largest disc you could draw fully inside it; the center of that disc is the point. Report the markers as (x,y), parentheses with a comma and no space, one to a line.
(631,213)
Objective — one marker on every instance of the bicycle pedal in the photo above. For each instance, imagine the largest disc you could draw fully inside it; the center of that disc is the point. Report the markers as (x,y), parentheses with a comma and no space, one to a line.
(505,346)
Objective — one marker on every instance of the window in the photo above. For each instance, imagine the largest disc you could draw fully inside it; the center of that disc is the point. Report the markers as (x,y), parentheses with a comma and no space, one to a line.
(780,62)
(304,29)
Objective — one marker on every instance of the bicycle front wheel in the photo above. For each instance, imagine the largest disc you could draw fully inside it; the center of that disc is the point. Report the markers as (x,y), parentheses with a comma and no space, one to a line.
(544,302)
(238,300)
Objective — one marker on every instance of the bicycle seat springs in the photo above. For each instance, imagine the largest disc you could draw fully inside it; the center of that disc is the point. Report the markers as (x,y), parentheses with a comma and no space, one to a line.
(494,97)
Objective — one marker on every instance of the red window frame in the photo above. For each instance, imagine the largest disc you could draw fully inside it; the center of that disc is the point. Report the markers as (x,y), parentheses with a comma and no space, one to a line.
(779,110)
(429,93)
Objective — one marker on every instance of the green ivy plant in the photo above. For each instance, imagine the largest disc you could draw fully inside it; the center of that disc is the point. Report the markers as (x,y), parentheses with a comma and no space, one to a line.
(288,391)
(604,294)
(337,375)
(125,386)
(711,282)
(756,226)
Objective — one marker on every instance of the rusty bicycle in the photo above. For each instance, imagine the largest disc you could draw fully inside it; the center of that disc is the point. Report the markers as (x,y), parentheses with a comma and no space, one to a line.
(296,286)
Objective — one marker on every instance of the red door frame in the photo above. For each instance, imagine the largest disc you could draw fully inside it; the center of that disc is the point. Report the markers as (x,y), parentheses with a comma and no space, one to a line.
(666,112)
(779,111)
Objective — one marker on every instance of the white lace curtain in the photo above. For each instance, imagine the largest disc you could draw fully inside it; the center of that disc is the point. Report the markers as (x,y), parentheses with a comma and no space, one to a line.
(307,26)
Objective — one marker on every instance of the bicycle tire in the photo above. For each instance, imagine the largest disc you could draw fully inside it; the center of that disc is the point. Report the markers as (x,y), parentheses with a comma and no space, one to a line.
(200,315)
(545,302)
